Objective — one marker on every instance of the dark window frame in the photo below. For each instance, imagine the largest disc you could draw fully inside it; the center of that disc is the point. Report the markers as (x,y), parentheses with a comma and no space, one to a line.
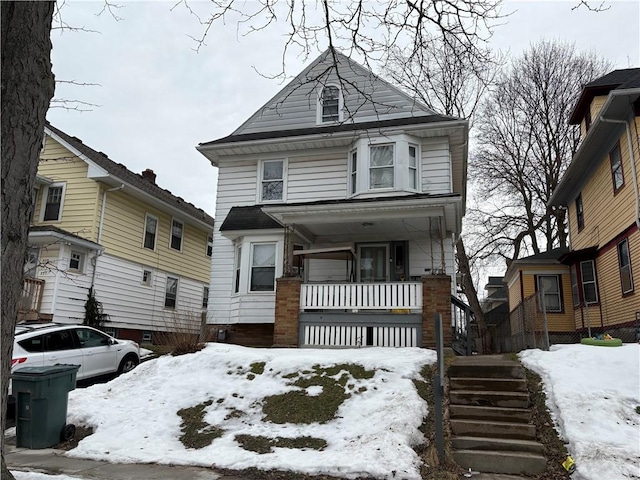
(615,161)
(51,207)
(170,297)
(176,241)
(150,237)
(624,244)
(330,104)
(579,212)
(558,278)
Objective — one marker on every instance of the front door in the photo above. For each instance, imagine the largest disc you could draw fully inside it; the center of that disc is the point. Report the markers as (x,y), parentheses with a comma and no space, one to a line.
(374,262)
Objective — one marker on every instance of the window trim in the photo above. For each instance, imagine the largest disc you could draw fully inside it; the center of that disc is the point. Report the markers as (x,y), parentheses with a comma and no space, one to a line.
(205,297)
(559,293)
(393,165)
(237,270)
(209,247)
(594,282)
(616,148)
(149,281)
(579,212)
(155,233)
(416,188)
(353,172)
(320,105)
(45,196)
(625,242)
(171,236)
(166,292)
(81,261)
(283,180)
(252,266)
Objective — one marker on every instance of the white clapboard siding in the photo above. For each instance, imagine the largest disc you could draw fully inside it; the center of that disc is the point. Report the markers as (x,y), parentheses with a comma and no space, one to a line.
(294,107)
(436,166)
(314,178)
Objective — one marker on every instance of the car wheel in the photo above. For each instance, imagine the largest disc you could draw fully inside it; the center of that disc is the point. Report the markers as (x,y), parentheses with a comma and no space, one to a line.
(128,363)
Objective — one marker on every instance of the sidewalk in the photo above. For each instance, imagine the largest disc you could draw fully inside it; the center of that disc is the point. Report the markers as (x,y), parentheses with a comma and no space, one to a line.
(55,462)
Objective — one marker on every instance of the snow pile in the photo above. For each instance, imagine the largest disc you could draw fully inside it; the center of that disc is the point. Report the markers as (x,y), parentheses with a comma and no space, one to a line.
(135,416)
(593,394)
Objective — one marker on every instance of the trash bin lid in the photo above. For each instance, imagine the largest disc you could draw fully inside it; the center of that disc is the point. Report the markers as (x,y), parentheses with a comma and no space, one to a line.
(45,370)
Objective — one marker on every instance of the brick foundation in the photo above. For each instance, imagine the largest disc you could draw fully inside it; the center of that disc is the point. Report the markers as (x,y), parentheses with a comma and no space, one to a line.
(285,333)
(248,335)
(436,297)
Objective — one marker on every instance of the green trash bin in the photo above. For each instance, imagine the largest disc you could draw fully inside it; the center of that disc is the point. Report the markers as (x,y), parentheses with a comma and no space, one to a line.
(41,404)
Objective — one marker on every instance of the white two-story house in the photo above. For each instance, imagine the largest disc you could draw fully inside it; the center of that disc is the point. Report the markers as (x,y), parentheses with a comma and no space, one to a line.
(338,206)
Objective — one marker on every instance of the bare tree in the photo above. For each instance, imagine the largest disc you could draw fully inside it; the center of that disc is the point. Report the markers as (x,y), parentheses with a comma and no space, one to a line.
(27,88)
(525,143)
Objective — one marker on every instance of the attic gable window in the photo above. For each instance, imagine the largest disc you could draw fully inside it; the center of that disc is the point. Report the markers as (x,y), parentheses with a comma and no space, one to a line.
(330,105)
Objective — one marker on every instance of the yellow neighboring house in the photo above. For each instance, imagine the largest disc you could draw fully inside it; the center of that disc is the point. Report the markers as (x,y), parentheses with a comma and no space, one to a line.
(597,278)
(145,252)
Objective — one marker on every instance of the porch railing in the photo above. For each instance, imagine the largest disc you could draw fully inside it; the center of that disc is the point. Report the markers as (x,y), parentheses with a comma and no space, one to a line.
(461,319)
(31,298)
(366,296)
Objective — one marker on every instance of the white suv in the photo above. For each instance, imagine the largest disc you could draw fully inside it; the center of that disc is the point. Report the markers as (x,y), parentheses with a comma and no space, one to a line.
(96,352)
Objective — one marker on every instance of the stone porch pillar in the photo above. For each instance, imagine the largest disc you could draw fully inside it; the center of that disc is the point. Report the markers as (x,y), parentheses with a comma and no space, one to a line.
(285,332)
(436,297)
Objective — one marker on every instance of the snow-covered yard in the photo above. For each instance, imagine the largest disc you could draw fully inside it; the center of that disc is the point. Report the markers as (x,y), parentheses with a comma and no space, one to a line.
(592,392)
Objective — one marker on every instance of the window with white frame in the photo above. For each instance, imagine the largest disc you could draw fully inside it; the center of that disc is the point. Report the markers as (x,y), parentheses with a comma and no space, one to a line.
(236,283)
(76,261)
(263,267)
(330,104)
(354,172)
(146,277)
(150,232)
(31,265)
(272,181)
(413,167)
(381,166)
(624,264)
(177,231)
(549,285)
(171,293)
(205,297)
(53,195)
(588,278)
(209,244)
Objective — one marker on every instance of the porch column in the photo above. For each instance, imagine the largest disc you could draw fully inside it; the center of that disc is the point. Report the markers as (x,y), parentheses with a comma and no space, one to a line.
(436,297)
(285,331)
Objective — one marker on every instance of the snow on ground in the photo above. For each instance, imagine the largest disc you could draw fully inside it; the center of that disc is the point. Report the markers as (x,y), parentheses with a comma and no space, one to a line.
(135,416)
(144,352)
(593,394)
(18,475)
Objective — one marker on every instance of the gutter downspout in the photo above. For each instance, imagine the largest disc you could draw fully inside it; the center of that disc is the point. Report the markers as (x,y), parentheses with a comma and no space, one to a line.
(100,227)
(633,164)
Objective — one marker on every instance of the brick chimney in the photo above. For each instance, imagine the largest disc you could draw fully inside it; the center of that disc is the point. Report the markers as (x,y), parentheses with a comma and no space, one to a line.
(149,176)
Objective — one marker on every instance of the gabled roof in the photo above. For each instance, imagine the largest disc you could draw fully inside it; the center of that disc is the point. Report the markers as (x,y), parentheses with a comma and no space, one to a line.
(618,79)
(550,257)
(124,175)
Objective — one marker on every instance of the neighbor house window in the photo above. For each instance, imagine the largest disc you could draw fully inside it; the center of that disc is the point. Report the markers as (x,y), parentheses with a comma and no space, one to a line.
(53,203)
(413,167)
(205,297)
(549,285)
(171,293)
(31,266)
(150,231)
(616,168)
(575,291)
(76,261)
(237,269)
(624,263)
(146,277)
(209,244)
(330,104)
(588,277)
(263,267)
(381,171)
(147,337)
(354,172)
(272,182)
(579,212)
(177,230)
(587,120)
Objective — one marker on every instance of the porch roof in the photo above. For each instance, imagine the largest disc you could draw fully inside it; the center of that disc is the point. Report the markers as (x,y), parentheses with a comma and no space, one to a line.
(46,234)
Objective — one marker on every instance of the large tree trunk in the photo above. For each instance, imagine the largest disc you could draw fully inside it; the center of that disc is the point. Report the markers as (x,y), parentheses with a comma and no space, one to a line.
(469,289)
(27,88)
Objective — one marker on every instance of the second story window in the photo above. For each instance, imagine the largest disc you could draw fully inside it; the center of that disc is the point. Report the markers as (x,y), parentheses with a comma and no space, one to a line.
(616,168)
(209,244)
(150,231)
(330,104)
(579,212)
(177,229)
(381,166)
(272,181)
(53,203)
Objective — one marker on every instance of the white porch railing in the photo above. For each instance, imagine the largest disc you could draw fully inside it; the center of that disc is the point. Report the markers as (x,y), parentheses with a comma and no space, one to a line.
(369,296)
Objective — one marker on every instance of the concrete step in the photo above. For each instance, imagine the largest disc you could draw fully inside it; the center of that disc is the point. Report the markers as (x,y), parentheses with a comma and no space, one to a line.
(501,462)
(491,384)
(488,369)
(501,414)
(483,428)
(489,399)
(496,444)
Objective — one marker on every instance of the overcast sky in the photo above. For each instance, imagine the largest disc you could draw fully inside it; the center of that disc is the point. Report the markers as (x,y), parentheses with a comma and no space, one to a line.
(158,98)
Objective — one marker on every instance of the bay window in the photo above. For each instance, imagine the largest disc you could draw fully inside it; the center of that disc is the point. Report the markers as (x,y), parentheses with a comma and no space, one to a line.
(263,267)
(381,166)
